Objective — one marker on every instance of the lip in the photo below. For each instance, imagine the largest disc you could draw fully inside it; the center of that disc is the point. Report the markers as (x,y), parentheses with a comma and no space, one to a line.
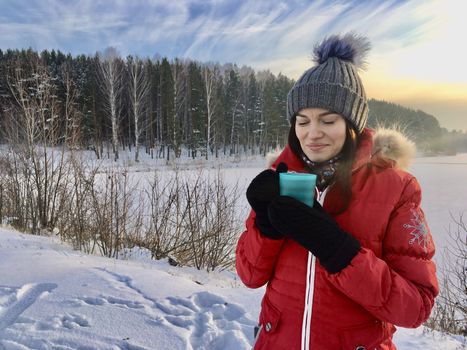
(315,147)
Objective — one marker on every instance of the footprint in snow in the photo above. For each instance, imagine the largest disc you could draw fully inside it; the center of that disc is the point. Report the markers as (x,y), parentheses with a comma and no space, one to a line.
(14,301)
(212,322)
(69,321)
(105,299)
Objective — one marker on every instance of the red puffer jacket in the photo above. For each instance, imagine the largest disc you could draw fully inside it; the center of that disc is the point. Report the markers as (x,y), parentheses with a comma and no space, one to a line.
(391,281)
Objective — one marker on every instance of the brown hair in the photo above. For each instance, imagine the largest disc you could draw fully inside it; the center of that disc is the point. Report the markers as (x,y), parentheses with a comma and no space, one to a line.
(343,177)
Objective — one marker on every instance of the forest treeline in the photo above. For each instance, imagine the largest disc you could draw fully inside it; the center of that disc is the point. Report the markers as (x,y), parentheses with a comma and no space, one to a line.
(165,107)
(419,126)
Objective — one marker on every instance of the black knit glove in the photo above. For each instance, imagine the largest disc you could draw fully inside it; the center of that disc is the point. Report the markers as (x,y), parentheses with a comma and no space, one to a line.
(261,191)
(315,230)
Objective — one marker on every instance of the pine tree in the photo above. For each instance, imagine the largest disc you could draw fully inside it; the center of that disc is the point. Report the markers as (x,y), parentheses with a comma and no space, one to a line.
(232,104)
(166,106)
(274,109)
(153,111)
(180,88)
(211,80)
(197,124)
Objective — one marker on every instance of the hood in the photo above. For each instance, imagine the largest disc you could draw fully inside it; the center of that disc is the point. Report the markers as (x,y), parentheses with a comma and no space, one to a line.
(385,145)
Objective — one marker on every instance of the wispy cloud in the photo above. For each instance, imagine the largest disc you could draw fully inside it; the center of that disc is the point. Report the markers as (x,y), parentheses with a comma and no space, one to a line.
(278,35)
(196,24)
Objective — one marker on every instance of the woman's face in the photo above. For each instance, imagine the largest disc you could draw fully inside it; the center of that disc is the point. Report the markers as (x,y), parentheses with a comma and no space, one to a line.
(321,133)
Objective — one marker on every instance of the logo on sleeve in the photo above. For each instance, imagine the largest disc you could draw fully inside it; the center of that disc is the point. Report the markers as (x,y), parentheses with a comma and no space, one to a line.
(419,229)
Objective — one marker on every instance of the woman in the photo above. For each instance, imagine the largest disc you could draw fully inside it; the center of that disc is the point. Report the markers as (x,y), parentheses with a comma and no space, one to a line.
(342,273)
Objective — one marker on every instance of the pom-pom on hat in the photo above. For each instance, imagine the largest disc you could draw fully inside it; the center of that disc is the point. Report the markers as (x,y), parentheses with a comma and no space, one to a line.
(334,83)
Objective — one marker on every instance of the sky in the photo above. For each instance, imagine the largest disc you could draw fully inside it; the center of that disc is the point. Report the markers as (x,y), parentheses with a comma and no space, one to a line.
(417,57)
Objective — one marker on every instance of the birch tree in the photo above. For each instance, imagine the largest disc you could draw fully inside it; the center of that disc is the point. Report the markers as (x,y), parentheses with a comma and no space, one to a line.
(139,90)
(210,81)
(111,84)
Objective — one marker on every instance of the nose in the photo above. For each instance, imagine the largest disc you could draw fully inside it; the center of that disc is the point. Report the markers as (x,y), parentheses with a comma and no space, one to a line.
(314,131)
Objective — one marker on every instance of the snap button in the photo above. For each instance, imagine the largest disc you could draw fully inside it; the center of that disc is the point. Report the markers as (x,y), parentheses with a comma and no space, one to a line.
(268,327)
(360,348)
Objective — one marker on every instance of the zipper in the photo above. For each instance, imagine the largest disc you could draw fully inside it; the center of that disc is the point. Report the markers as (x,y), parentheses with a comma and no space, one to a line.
(306,323)
(310,286)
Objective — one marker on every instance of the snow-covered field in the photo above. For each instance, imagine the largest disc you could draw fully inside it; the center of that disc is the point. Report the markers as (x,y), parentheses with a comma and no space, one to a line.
(52,297)
(444,185)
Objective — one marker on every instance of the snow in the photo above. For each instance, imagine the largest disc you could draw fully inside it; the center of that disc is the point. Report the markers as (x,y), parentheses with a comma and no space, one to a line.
(52,297)
(444,189)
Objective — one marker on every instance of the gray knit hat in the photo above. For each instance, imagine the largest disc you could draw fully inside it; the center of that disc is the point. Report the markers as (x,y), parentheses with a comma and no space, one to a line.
(334,83)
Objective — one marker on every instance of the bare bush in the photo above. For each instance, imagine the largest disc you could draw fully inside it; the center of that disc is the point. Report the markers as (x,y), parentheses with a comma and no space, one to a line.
(101,214)
(75,224)
(162,236)
(35,166)
(210,220)
(450,311)
(193,221)
(113,212)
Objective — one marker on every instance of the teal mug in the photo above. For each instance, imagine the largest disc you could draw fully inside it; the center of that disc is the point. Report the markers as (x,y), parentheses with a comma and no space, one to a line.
(299,186)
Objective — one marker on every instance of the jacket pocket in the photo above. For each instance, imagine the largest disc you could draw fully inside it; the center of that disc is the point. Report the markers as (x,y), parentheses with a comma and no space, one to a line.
(269,322)
(270,317)
(368,336)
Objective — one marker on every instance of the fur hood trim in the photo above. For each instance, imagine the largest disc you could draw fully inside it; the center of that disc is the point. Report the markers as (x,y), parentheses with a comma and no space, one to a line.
(271,157)
(392,144)
(388,144)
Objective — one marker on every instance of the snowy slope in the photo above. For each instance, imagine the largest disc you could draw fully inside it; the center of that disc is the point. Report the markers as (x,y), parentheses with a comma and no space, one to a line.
(52,297)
